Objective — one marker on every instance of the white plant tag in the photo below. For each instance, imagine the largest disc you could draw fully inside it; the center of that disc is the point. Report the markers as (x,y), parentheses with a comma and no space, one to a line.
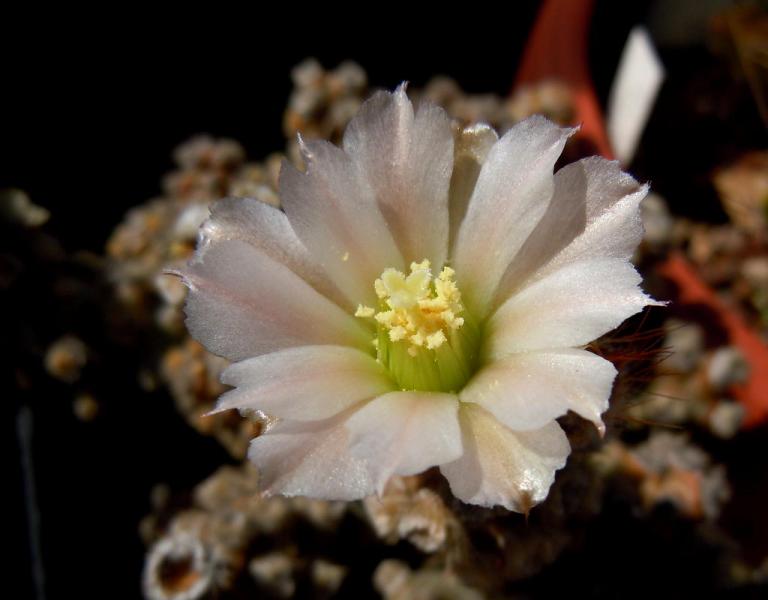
(637,82)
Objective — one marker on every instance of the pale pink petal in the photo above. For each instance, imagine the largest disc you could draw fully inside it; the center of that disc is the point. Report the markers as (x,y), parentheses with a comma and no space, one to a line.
(585,192)
(307,383)
(615,233)
(528,390)
(407,158)
(242,303)
(512,193)
(471,146)
(334,212)
(404,433)
(267,229)
(570,307)
(501,467)
(310,458)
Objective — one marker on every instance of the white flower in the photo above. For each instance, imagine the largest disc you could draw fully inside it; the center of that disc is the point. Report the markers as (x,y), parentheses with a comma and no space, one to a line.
(424,300)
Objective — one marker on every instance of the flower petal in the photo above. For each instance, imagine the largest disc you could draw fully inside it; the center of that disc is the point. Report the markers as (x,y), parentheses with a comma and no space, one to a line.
(471,146)
(570,307)
(407,158)
(404,433)
(267,229)
(511,195)
(528,390)
(585,193)
(616,233)
(310,459)
(513,469)
(307,383)
(243,304)
(334,212)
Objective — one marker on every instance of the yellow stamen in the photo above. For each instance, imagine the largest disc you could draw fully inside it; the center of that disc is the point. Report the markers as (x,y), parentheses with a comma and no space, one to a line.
(417,307)
(364,311)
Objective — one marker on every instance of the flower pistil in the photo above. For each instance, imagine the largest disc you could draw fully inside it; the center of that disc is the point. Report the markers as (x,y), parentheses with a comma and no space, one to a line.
(425,337)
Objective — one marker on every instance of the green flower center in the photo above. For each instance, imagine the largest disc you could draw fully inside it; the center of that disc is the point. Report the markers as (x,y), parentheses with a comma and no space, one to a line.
(425,337)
